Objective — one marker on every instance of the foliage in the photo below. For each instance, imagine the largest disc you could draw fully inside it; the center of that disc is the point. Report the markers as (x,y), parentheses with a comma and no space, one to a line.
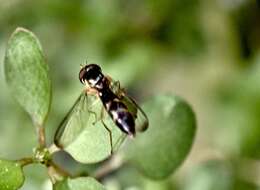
(207,52)
(11,175)
(165,145)
(27,74)
(80,183)
(82,134)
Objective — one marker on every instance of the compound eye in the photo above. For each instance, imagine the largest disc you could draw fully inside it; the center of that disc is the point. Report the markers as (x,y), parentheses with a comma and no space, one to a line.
(90,73)
(93,67)
(82,75)
(93,75)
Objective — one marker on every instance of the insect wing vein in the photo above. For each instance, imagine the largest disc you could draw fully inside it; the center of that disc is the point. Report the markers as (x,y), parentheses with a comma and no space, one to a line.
(73,122)
(141,120)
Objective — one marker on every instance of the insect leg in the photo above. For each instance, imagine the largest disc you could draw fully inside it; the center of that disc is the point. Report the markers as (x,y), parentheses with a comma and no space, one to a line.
(108,130)
(94,113)
(90,91)
(119,141)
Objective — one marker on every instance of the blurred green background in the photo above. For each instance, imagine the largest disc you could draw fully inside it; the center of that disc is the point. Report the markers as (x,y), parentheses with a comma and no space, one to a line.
(208,52)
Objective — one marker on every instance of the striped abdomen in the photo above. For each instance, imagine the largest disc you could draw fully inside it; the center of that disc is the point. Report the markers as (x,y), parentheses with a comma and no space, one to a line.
(118,112)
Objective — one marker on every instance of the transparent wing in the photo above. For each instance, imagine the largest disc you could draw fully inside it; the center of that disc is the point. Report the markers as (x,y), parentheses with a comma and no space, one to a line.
(66,130)
(141,120)
(83,129)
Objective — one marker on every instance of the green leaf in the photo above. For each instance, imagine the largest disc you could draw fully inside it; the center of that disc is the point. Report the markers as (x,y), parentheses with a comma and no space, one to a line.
(166,143)
(27,74)
(11,175)
(219,175)
(84,136)
(81,183)
(128,177)
(213,174)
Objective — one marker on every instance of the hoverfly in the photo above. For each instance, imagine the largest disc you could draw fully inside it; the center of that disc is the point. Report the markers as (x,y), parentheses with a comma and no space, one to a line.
(123,110)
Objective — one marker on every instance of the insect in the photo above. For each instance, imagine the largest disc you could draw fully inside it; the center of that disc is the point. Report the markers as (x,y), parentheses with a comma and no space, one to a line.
(124,111)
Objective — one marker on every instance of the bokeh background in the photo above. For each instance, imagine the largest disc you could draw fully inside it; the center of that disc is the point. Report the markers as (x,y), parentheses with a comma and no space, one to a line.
(208,52)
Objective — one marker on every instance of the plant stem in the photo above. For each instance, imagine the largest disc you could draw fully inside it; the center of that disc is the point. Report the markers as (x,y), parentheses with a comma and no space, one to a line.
(41,136)
(26,161)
